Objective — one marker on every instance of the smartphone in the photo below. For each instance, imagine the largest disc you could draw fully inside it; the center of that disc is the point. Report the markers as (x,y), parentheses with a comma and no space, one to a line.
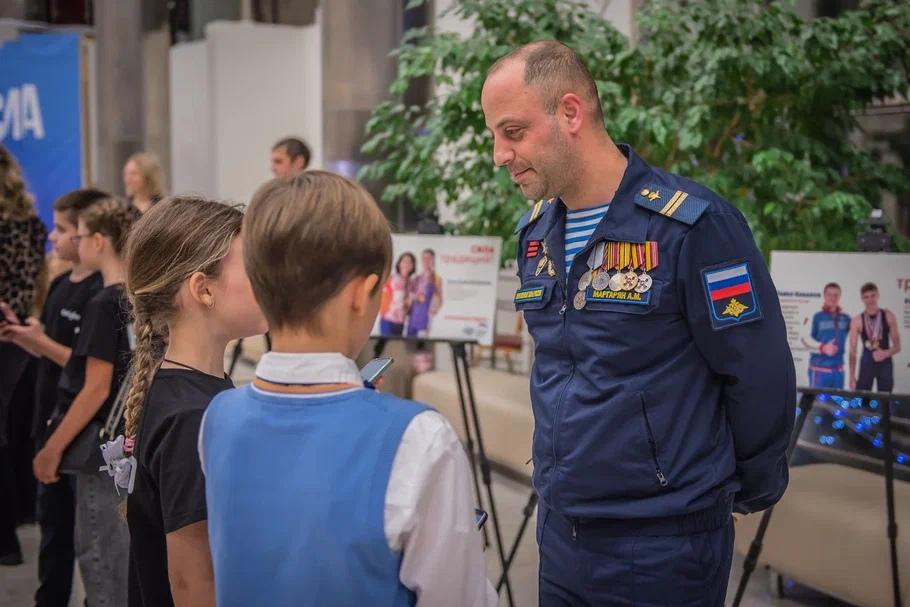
(374,369)
(480,517)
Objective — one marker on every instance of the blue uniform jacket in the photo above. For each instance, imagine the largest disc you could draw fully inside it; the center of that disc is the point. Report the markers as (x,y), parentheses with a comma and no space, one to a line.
(669,401)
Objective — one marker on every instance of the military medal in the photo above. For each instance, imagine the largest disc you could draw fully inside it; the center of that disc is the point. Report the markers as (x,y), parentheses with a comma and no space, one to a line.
(595,259)
(601,280)
(541,265)
(644,283)
(629,280)
(551,269)
(580,300)
(616,282)
(585,281)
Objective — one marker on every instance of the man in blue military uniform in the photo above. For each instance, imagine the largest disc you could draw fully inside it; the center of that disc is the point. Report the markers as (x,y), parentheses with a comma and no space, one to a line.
(663,387)
(827,342)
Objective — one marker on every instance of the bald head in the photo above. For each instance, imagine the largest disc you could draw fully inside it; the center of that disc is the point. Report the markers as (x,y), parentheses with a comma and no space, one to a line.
(554,70)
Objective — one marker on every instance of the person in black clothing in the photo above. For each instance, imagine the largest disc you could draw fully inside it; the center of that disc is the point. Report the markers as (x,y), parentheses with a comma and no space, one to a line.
(188,289)
(877,329)
(51,339)
(88,386)
(23,277)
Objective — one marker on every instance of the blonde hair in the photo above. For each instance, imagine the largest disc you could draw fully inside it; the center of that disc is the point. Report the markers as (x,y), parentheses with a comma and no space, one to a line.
(15,201)
(176,238)
(150,167)
(305,237)
(112,218)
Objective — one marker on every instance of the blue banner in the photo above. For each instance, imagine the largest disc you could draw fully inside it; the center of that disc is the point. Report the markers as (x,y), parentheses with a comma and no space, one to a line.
(41,113)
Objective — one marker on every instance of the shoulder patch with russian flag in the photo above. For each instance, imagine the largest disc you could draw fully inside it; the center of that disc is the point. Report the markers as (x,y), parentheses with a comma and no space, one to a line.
(731,295)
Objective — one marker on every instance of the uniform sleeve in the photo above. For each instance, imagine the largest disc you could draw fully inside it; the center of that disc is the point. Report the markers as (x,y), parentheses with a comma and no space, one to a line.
(99,333)
(176,469)
(734,314)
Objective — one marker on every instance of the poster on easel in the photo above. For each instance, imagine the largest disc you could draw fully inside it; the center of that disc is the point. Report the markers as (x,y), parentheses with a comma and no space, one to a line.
(828,297)
(440,288)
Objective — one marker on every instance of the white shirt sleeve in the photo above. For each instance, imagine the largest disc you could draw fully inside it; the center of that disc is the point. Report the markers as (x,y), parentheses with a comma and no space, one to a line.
(429,517)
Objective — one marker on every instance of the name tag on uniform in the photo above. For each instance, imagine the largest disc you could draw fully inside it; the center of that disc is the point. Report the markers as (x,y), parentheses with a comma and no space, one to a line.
(529,294)
(626,297)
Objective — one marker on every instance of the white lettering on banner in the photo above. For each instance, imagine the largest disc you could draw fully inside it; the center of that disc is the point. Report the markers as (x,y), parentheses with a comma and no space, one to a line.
(20,112)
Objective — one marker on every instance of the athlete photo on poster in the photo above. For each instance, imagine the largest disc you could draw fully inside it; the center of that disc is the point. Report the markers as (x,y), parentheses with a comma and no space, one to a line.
(440,287)
(845,329)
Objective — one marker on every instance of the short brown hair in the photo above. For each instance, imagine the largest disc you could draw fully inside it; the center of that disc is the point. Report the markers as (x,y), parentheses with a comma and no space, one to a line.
(73,203)
(869,286)
(555,70)
(112,218)
(305,237)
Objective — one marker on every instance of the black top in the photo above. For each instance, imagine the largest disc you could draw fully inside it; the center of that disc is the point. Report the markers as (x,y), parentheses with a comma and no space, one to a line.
(169,490)
(105,334)
(62,318)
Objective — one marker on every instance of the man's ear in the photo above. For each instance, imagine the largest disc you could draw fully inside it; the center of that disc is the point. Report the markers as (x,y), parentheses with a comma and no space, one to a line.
(571,111)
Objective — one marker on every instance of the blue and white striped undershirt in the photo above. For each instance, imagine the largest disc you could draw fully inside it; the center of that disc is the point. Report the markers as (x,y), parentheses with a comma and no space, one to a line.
(579,227)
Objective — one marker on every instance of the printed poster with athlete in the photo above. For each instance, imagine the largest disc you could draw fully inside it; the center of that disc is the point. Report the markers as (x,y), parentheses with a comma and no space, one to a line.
(440,287)
(845,323)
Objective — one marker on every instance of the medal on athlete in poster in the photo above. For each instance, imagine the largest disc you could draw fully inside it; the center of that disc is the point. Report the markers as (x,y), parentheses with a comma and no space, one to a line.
(873,330)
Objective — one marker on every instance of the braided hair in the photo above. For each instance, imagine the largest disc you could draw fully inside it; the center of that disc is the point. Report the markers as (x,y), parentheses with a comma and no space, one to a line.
(173,240)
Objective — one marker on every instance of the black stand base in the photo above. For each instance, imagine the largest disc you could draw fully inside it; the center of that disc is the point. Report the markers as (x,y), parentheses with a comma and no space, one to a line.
(805,405)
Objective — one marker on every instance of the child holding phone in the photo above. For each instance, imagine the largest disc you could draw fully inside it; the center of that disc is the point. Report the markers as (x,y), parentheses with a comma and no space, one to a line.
(190,296)
(89,383)
(319,490)
(51,339)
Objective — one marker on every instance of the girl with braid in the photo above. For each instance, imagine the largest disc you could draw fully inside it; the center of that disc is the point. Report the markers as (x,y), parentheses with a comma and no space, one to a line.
(87,390)
(190,296)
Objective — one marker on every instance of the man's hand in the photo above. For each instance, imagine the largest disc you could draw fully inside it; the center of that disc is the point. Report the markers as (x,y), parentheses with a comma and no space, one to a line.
(829,349)
(852,383)
(46,463)
(880,355)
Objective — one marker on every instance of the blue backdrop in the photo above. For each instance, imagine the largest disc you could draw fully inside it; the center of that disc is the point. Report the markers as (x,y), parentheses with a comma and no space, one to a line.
(41,113)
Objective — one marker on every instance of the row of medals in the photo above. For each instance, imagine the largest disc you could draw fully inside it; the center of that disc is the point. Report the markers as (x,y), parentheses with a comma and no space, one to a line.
(623,280)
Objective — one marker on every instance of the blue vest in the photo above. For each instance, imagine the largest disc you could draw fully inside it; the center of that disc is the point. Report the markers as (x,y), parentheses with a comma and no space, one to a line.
(296,497)
(825,328)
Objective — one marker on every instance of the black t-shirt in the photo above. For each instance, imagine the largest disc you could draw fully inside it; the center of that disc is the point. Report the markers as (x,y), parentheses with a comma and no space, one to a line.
(105,334)
(62,318)
(169,489)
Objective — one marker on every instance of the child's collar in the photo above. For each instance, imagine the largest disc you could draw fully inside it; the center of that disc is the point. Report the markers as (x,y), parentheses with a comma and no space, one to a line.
(285,368)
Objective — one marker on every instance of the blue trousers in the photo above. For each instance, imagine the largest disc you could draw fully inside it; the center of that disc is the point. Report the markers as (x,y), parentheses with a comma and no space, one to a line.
(583,565)
(826,378)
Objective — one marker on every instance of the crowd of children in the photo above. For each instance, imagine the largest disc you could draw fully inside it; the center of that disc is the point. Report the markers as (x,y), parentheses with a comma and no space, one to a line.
(305,487)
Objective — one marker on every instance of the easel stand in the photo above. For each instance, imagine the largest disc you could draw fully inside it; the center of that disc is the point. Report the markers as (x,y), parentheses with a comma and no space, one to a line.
(806,402)
(477,454)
